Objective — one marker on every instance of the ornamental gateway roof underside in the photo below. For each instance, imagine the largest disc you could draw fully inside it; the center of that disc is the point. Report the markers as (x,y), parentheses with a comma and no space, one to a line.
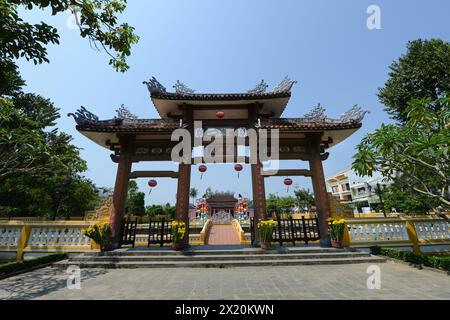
(266,107)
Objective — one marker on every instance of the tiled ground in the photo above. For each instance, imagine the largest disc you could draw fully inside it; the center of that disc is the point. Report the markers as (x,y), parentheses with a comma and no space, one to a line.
(399,281)
(223,234)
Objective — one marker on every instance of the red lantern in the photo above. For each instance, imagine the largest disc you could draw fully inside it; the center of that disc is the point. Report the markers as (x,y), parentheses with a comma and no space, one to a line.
(220,114)
(152,184)
(202,169)
(238,168)
(288,182)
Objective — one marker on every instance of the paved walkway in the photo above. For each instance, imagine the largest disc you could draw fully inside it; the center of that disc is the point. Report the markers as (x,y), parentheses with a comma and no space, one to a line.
(398,281)
(223,234)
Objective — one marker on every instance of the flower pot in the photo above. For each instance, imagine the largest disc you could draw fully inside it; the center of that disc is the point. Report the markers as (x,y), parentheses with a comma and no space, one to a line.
(336,244)
(265,245)
(176,246)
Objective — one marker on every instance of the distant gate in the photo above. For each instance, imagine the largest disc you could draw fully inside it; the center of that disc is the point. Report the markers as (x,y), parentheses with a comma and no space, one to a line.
(221,217)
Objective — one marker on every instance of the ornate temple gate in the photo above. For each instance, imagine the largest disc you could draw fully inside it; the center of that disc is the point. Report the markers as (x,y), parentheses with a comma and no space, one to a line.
(135,140)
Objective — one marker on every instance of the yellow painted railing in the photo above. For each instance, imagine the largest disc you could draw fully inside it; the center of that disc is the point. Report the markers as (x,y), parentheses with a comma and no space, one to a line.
(205,231)
(38,236)
(417,234)
(240,232)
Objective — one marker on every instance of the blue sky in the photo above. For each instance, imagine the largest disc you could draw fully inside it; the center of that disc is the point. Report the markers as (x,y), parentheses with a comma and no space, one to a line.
(229,46)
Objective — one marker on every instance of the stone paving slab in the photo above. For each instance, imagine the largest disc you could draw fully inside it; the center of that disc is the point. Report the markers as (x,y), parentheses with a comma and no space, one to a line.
(399,281)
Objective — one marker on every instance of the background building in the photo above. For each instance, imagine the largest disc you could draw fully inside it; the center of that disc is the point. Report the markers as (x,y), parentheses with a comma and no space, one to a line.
(360,192)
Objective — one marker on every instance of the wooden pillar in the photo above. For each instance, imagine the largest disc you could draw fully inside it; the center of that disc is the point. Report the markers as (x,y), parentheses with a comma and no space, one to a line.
(319,187)
(182,209)
(259,197)
(117,209)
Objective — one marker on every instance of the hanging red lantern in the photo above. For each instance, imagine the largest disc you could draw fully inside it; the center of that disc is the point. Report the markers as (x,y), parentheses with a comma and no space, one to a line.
(152,183)
(288,182)
(220,114)
(202,170)
(238,168)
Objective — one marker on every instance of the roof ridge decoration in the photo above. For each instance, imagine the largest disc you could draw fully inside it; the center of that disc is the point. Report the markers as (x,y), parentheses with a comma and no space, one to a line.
(125,114)
(154,86)
(355,113)
(261,87)
(181,88)
(285,85)
(317,114)
(83,116)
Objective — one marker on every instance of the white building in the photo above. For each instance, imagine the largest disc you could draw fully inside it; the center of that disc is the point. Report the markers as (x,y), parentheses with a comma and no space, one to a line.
(348,187)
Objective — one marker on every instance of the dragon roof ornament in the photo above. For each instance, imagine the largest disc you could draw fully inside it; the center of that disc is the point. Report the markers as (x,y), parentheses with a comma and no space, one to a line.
(181,88)
(83,116)
(285,85)
(154,86)
(317,114)
(259,88)
(354,114)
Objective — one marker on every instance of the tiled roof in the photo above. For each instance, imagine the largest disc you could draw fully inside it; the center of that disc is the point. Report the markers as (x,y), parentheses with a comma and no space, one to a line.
(219,96)
(164,125)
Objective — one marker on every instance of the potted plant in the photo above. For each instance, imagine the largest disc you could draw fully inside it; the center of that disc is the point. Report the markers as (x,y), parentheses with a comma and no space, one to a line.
(101,233)
(178,233)
(266,228)
(336,232)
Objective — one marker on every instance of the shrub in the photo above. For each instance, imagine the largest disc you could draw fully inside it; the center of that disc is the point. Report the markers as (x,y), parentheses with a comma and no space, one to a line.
(16,266)
(439,262)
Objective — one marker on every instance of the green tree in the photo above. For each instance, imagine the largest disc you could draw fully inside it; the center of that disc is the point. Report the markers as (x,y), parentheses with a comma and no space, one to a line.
(155,210)
(96,19)
(39,167)
(193,193)
(423,72)
(304,199)
(136,200)
(418,151)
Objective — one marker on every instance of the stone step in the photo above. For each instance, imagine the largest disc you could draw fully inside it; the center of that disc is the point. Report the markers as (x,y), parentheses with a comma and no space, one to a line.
(246,251)
(221,263)
(274,256)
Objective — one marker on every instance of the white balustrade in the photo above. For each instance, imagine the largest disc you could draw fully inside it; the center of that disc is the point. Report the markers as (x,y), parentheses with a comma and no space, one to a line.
(378,231)
(432,230)
(9,236)
(58,237)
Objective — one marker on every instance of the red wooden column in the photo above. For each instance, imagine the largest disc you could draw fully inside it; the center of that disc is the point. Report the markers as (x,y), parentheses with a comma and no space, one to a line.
(117,209)
(182,209)
(259,196)
(319,187)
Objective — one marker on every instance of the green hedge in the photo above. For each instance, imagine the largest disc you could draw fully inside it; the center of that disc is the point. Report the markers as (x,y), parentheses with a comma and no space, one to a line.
(16,266)
(433,261)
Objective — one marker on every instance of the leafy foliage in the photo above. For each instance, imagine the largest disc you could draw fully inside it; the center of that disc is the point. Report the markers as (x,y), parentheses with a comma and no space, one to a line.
(97,21)
(136,200)
(304,199)
(39,169)
(417,151)
(423,72)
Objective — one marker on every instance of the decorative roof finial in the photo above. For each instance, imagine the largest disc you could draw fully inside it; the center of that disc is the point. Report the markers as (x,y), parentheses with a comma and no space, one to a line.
(317,114)
(154,86)
(355,114)
(181,88)
(125,114)
(285,85)
(259,88)
(83,116)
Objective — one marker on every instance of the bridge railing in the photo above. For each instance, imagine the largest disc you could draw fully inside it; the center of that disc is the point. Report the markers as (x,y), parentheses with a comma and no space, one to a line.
(38,236)
(416,234)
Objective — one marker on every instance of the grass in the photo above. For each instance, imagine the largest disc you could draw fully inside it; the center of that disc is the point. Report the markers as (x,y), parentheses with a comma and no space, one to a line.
(20,266)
